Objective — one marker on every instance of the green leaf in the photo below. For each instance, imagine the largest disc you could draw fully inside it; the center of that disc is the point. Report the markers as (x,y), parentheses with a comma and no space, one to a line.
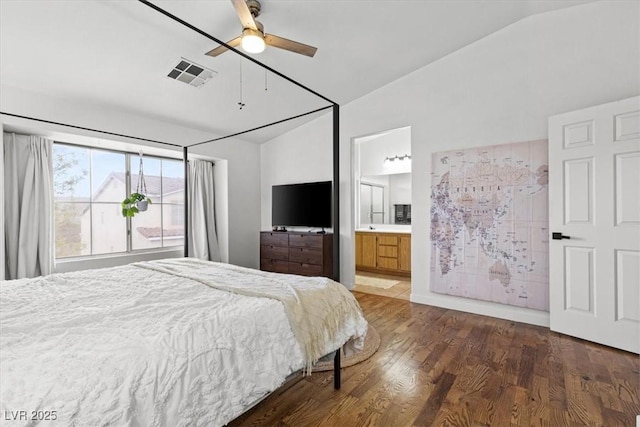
(129,208)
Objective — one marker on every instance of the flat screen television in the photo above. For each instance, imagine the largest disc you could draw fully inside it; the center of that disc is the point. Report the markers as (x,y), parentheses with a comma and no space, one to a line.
(304,205)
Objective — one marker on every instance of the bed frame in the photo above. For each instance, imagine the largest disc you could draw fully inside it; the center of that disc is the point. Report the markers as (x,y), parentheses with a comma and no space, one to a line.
(185,149)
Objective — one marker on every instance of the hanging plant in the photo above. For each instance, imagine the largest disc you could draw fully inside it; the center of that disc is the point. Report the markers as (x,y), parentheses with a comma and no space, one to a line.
(138,201)
(133,204)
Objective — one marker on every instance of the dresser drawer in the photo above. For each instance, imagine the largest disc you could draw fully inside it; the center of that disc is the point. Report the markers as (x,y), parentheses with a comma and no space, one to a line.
(306,240)
(274,252)
(274,265)
(305,269)
(388,263)
(275,238)
(388,251)
(387,240)
(305,255)
(297,252)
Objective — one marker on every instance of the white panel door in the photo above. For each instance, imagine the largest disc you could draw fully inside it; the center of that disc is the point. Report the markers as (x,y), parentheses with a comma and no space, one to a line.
(594,219)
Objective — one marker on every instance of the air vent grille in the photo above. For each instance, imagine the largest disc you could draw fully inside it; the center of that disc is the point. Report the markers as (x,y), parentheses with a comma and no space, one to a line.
(191,73)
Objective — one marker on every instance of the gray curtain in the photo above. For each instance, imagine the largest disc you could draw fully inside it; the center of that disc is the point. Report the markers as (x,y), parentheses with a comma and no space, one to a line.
(28,204)
(203,239)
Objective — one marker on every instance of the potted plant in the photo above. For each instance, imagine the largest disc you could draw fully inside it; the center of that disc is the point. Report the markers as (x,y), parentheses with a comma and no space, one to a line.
(135,203)
(138,201)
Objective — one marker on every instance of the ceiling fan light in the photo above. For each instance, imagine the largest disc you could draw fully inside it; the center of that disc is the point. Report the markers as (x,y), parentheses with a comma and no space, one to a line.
(252,41)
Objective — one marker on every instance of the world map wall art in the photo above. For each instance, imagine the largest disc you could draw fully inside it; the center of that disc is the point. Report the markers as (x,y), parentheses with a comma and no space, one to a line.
(489,224)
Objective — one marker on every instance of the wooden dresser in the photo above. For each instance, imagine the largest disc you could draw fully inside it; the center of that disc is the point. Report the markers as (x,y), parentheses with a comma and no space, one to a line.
(306,254)
(383,252)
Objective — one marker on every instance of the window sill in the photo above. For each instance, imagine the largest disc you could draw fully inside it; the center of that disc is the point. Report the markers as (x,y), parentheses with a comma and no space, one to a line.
(112,260)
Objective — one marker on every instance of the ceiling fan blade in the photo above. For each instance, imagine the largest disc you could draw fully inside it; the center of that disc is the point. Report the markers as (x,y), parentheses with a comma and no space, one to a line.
(246,18)
(222,49)
(290,45)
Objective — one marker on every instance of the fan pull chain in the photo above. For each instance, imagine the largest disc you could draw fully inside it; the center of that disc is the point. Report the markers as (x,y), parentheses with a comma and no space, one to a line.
(241,104)
(265,73)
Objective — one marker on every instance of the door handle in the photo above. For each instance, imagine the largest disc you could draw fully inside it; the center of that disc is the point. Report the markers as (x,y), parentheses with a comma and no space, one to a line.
(559,236)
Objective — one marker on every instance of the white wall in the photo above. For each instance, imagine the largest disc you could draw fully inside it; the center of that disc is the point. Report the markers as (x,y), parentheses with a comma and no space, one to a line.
(295,157)
(374,150)
(399,190)
(497,90)
(94,116)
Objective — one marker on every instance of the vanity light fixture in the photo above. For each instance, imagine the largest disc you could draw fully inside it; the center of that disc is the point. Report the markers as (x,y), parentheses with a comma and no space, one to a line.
(394,158)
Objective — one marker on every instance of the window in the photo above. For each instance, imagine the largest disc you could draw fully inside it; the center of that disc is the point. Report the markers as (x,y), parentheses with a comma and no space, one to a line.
(89,185)
(164,180)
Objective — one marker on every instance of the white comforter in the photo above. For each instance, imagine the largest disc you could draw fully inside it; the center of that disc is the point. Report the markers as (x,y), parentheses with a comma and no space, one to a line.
(135,346)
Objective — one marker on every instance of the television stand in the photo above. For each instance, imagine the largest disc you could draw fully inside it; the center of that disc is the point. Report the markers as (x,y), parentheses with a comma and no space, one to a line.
(297,252)
(321,231)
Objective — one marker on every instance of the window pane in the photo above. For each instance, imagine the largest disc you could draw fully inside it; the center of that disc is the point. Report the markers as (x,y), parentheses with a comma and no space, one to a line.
(146,230)
(151,171)
(72,237)
(172,181)
(109,228)
(70,173)
(173,233)
(108,176)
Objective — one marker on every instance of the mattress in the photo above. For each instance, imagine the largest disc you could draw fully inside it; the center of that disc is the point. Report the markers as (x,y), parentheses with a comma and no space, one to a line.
(163,343)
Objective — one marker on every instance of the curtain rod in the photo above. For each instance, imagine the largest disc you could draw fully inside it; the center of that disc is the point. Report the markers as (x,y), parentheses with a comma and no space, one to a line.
(89,129)
(244,55)
(260,127)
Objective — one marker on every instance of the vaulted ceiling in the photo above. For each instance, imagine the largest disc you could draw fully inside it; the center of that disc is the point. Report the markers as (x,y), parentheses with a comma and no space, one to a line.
(117,54)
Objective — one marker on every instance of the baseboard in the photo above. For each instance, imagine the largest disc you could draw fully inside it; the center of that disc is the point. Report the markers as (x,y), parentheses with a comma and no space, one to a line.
(501,311)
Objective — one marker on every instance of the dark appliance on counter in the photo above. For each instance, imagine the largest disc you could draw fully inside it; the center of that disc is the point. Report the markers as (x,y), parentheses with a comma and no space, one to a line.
(402,214)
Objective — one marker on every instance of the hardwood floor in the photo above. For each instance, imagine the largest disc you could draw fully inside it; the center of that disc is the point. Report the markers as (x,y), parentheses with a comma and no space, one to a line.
(439,367)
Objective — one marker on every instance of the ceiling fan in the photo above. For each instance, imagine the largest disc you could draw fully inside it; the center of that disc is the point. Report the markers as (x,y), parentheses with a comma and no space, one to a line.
(253,38)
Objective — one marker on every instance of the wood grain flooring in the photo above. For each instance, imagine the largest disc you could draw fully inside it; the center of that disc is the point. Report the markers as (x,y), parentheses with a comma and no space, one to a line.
(439,367)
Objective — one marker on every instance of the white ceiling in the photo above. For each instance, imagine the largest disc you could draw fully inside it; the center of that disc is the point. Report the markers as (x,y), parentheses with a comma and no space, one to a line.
(118,53)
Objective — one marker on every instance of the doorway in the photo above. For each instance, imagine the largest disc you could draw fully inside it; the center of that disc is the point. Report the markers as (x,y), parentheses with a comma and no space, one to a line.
(382,206)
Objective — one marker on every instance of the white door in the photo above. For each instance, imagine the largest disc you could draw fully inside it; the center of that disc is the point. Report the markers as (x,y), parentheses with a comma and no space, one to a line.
(594,202)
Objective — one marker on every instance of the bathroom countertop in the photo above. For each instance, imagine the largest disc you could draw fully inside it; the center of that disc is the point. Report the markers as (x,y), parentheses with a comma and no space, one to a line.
(385,230)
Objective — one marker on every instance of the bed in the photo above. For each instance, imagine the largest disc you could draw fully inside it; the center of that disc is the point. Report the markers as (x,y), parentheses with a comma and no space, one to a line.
(174,342)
